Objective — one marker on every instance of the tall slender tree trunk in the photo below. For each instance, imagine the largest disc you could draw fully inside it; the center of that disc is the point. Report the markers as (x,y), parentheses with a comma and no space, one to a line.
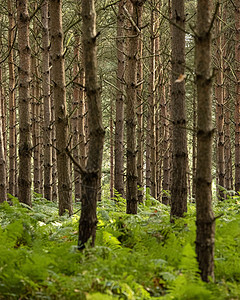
(81,110)
(25,146)
(61,119)
(205,217)
(179,139)
(152,108)
(111,151)
(194,146)
(3,177)
(119,126)
(47,132)
(75,118)
(140,125)
(237,100)
(165,148)
(227,54)
(131,94)
(12,103)
(35,117)
(92,174)
(220,111)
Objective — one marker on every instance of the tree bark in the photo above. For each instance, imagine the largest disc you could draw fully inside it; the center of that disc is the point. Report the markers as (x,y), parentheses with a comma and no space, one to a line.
(220,112)
(47,129)
(25,145)
(12,103)
(179,139)
(119,127)
(92,174)
(3,177)
(131,100)
(237,100)
(76,118)
(61,119)
(152,108)
(205,217)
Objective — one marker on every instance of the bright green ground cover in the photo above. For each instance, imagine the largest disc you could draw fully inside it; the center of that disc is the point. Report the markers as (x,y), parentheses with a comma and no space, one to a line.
(136,257)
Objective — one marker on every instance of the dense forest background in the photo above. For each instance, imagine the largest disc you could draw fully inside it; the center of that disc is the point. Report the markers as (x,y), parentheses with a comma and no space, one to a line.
(125,114)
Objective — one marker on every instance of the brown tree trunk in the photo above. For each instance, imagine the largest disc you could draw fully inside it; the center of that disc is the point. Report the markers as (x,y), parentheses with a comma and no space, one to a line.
(119,126)
(3,177)
(75,118)
(151,106)
(47,132)
(92,174)
(54,152)
(220,112)
(194,146)
(25,146)
(165,148)
(205,218)
(237,101)
(227,55)
(131,95)
(111,152)
(179,139)
(35,118)
(61,119)
(12,103)
(140,125)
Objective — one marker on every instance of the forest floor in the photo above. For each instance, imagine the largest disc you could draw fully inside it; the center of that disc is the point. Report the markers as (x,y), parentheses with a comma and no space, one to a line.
(140,256)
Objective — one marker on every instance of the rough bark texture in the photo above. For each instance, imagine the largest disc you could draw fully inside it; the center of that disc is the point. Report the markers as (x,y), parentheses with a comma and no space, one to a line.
(47,131)
(92,174)
(3,183)
(131,95)
(219,111)
(179,139)
(227,59)
(205,218)
(165,148)
(25,147)
(75,118)
(119,126)
(194,146)
(151,105)
(140,123)
(61,119)
(237,101)
(35,116)
(12,103)
(111,151)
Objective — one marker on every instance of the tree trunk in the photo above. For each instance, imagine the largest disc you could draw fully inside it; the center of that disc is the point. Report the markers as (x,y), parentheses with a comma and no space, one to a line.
(237,101)
(220,112)
(194,146)
(61,119)
(119,126)
(111,152)
(165,148)
(131,101)
(12,103)
(179,139)
(25,147)
(76,118)
(3,177)
(227,55)
(35,115)
(140,125)
(47,132)
(205,218)
(151,106)
(92,174)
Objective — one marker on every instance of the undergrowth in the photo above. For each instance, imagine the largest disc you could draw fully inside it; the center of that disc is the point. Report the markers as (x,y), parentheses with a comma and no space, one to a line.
(140,256)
